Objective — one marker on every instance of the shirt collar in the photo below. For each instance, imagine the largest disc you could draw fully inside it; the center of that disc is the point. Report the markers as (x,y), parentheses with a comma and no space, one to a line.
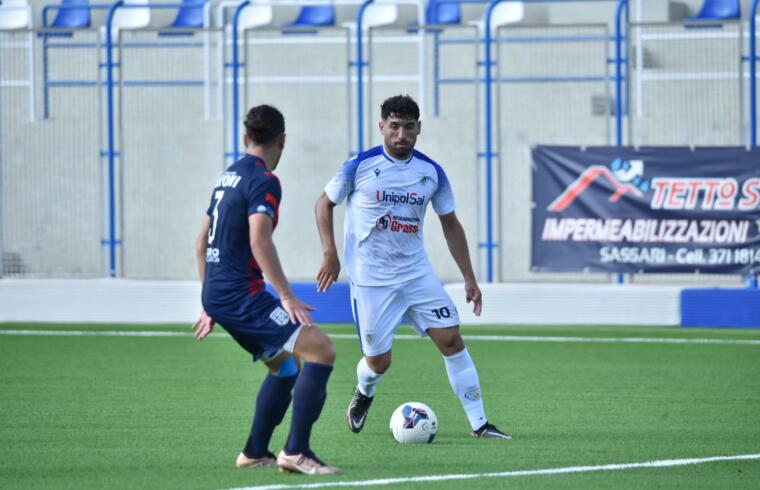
(397,162)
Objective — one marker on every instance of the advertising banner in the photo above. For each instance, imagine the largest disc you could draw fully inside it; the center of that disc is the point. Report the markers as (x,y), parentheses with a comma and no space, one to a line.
(659,209)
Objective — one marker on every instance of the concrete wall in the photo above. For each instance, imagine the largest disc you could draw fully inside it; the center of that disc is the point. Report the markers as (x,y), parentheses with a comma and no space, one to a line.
(128,301)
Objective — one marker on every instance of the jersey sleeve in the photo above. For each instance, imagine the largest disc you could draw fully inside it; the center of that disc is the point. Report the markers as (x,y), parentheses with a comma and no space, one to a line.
(343,183)
(265,198)
(443,199)
(210,210)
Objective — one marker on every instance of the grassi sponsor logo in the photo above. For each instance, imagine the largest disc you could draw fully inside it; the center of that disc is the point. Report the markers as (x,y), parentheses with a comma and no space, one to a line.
(408,198)
(396,224)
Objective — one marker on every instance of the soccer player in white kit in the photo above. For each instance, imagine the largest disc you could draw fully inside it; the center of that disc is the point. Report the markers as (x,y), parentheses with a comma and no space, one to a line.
(388,189)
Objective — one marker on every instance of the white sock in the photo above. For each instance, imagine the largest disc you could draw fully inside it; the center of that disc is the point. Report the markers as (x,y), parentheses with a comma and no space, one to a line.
(464,381)
(368,379)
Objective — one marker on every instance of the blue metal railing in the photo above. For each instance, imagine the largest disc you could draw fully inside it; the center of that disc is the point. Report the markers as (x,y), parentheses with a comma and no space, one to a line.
(56,32)
(618,69)
(753,77)
(46,45)
(360,78)
(111,142)
(489,244)
(619,80)
(235,89)
(752,280)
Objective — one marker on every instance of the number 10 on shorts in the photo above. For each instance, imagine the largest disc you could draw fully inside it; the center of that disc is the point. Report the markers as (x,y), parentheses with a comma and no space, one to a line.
(442,312)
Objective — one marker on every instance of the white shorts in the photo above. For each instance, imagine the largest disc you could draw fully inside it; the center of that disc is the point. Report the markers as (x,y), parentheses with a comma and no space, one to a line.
(379,310)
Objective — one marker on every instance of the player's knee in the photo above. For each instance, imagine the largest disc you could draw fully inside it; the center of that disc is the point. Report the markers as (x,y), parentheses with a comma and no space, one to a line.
(326,349)
(313,345)
(451,344)
(379,364)
(329,353)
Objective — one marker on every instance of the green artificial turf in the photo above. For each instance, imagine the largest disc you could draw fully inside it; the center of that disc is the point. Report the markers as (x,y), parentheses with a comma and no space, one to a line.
(171,412)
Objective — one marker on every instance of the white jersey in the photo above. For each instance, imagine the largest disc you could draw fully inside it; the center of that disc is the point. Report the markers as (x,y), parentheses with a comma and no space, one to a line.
(387,199)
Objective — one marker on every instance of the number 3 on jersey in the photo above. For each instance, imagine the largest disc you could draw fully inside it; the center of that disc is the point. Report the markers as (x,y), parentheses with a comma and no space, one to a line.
(218,195)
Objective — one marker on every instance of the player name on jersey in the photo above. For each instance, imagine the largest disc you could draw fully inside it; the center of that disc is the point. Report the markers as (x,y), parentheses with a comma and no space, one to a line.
(228,179)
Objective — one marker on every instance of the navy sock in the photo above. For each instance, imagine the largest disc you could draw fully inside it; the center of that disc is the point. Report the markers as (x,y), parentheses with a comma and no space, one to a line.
(309,397)
(271,404)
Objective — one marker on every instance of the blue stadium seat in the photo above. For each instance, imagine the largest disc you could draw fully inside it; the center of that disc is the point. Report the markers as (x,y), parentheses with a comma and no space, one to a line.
(189,15)
(445,13)
(73,18)
(718,10)
(314,16)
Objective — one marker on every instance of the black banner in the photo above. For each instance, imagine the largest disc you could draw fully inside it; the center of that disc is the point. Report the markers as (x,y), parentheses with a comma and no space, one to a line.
(664,209)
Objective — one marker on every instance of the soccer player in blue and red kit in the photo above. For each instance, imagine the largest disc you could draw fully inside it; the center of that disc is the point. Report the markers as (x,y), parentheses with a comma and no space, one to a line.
(234,252)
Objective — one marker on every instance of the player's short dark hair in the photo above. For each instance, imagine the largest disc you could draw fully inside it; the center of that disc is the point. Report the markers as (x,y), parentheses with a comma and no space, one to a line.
(400,106)
(264,124)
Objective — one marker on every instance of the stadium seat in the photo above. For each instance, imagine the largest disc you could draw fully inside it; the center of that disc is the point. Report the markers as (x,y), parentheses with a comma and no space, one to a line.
(376,15)
(15,14)
(314,16)
(503,14)
(129,18)
(718,10)
(189,15)
(73,18)
(445,13)
(255,15)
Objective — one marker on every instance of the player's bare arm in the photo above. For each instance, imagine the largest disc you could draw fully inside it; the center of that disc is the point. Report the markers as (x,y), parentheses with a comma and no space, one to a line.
(205,324)
(457,243)
(265,253)
(330,268)
(201,243)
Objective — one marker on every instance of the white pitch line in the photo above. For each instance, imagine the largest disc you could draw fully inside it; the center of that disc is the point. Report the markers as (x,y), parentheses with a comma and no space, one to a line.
(624,340)
(100,333)
(344,336)
(665,463)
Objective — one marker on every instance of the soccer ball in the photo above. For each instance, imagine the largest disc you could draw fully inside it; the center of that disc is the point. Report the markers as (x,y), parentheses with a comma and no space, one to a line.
(414,423)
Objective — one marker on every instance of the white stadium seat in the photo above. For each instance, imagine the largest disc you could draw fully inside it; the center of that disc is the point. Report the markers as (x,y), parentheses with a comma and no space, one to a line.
(15,14)
(129,18)
(503,14)
(376,15)
(255,16)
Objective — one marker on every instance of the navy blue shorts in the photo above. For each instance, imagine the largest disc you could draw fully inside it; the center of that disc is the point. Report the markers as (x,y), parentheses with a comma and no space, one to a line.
(258,323)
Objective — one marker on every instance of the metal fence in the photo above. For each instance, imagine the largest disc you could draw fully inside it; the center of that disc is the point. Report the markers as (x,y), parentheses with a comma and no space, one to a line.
(686,84)
(169,147)
(51,194)
(552,86)
(62,208)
